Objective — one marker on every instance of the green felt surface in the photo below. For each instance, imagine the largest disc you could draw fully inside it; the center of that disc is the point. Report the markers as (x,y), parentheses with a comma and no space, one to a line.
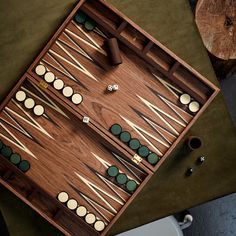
(25,27)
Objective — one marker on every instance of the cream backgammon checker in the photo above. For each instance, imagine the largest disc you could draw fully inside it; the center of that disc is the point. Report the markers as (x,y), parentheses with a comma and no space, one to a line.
(93,118)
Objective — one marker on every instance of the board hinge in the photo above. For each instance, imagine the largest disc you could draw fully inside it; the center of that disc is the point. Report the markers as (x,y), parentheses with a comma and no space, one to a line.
(137,159)
(43,84)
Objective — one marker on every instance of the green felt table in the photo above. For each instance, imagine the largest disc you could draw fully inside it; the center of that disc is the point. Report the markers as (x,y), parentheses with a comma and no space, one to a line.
(25,27)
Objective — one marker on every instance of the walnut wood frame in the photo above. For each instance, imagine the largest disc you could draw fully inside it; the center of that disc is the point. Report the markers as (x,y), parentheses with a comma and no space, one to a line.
(157,56)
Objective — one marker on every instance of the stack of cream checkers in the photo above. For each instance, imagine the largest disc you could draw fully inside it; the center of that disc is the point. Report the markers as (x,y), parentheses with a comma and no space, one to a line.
(58,84)
(81,211)
(193,106)
(29,103)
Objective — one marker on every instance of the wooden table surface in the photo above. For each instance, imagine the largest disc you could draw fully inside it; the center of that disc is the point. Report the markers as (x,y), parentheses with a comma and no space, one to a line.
(26,26)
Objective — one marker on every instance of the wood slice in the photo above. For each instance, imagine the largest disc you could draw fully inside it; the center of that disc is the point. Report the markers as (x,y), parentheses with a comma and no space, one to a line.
(216,21)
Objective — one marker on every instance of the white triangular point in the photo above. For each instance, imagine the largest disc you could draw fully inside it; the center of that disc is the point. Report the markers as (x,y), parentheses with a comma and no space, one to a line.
(33,122)
(96,206)
(166,114)
(75,46)
(16,125)
(176,109)
(94,45)
(78,65)
(138,129)
(155,109)
(103,162)
(17,143)
(93,187)
(112,186)
(169,86)
(159,129)
(61,69)
(50,103)
(127,164)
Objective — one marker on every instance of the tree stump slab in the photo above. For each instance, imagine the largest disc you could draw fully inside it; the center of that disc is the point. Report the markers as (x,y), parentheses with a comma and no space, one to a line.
(216,21)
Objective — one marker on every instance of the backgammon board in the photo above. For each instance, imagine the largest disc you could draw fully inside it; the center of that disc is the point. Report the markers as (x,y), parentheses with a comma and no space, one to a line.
(95,115)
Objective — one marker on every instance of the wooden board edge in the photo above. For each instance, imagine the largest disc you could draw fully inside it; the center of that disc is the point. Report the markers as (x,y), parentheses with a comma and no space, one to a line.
(151,38)
(188,127)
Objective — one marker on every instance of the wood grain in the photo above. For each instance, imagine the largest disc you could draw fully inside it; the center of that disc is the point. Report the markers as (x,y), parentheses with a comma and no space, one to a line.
(69,155)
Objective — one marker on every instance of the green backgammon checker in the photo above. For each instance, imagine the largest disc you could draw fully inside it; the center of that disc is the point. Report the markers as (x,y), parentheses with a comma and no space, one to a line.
(121,178)
(90,24)
(80,17)
(6,151)
(125,137)
(116,129)
(112,171)
(134,144)
(153,158)
(131,186)
(24,166)
(143,151)
(15,158)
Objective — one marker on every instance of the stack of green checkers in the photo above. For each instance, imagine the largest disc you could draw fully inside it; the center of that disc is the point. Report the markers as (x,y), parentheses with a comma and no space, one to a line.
(122,179)
(134,144)
(82,18)
(14,158)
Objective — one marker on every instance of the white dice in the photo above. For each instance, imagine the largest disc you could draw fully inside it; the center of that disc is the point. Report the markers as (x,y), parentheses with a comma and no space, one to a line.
(113,87)
(86,120)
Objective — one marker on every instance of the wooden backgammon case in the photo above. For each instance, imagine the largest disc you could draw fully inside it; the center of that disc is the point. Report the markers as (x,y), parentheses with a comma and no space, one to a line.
(93,118)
